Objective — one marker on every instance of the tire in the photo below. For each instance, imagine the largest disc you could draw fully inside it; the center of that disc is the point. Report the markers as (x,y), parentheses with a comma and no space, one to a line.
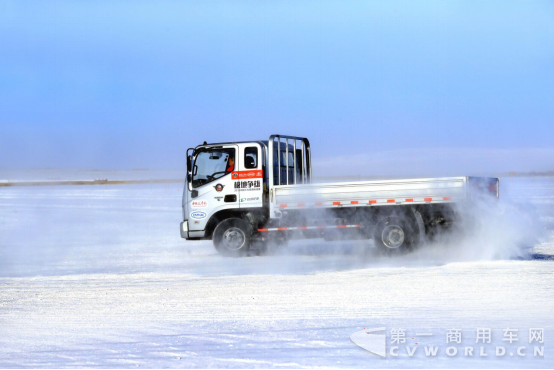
(231,238)
(394,235)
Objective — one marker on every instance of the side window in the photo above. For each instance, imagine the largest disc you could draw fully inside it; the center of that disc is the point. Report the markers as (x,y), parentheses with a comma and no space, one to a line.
(291,160)
(284,159)
(251,157)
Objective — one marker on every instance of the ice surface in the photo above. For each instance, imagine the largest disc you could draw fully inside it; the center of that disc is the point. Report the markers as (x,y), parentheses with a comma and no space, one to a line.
(98,276)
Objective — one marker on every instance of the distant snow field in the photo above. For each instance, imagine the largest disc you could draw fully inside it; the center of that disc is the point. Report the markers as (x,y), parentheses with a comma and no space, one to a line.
(98,276)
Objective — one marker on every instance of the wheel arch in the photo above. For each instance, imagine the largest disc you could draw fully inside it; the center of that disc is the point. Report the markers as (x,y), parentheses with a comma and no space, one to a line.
(217,218)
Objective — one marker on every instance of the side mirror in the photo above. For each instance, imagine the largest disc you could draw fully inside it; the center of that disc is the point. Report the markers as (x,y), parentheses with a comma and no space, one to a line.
(189,161)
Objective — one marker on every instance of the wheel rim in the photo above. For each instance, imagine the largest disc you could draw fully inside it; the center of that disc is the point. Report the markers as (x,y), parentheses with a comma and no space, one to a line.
(233,238)
(392,236)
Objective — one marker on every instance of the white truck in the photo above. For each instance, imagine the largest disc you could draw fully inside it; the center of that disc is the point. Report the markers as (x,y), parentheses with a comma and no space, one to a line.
(251,196)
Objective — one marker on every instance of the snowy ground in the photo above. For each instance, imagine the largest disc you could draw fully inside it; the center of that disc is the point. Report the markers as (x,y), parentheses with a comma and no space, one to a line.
(97,276)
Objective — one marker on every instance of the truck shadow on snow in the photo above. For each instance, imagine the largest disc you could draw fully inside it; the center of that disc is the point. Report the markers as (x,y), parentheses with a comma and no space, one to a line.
(540,257)
(446,250)
(309,257)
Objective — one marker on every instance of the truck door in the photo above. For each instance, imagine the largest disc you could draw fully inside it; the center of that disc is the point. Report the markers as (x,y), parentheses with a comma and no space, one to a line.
(249,178)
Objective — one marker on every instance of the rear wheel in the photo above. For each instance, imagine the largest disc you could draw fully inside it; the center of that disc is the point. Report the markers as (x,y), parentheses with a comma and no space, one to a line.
(232,238)
(394,235)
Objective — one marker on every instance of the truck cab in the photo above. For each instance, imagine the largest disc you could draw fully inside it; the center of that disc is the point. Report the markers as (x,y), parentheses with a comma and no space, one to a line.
(234,180)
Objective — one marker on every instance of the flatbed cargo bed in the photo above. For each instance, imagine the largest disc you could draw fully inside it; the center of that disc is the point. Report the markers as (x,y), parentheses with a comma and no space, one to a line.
(378,193)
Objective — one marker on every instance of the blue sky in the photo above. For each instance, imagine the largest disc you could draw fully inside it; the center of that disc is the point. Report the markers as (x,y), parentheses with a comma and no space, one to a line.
(131,84)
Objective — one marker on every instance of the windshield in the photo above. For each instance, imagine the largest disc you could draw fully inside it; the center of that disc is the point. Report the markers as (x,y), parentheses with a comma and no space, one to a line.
(210,165)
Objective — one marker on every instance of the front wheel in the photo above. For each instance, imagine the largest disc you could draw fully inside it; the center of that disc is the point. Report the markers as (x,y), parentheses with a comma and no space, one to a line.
(232,238)
(394,235)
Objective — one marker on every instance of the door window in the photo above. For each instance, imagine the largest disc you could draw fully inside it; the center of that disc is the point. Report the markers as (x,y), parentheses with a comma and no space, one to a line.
(251,157)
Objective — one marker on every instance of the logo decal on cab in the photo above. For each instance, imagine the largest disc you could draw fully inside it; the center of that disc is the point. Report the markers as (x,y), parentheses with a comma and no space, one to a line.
(198,215)
(199,203)
(256,174)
